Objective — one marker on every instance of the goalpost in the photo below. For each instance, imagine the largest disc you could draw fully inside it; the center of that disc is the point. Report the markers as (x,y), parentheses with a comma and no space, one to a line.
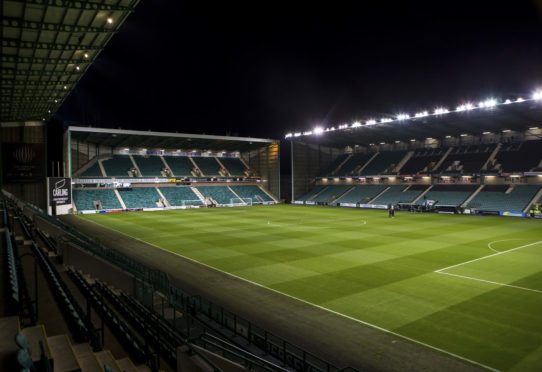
(193,203)
(237,202)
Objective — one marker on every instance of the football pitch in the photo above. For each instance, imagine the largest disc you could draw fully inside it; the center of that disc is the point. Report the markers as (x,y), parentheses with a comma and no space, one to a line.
(471,286)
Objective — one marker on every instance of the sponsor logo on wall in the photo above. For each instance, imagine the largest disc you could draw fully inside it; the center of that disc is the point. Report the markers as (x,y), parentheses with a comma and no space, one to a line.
(60,190)
(23,162)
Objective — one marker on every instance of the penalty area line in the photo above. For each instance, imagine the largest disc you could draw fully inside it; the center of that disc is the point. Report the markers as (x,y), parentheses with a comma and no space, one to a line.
(490,282)
(459,357)
(488,256)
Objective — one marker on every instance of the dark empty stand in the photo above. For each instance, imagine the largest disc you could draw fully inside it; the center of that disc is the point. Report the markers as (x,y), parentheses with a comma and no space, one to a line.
(519,157)
(451,195)
(234,166)
(422,161)
(208,165)
(466,159)
(384,163)
(352,165)
(180,165)
(504,197)
(311,193)
(150,166)
(329,170)
(118,166)
(399,194)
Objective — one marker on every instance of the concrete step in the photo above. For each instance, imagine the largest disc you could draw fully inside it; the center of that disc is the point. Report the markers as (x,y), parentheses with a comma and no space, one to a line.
(9,327)
(63,354)
(126,365)
(35,335)
(86,358)
(106,358)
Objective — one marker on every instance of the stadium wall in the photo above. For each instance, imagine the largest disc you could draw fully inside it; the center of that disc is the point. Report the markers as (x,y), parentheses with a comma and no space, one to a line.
(31,185)
(266,162)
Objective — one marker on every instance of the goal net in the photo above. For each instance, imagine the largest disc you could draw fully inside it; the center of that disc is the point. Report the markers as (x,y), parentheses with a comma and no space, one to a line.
(241,201)
(192,203)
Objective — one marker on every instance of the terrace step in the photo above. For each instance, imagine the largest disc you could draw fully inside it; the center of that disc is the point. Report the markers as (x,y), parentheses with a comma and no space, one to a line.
(105,358)
(35,335)
(86,358)
(63,354)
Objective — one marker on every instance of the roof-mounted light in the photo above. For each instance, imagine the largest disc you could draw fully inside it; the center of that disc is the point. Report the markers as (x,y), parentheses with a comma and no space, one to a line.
(441,111)
(488,103)
(403,116)
(288,135)
(318,130)
(385,120)
(370,122)
(356,124)
(421,114)
(465,107)
(537,95)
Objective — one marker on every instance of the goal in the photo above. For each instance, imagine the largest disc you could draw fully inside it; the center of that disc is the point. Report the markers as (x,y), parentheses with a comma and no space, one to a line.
(236,202)
(193,203)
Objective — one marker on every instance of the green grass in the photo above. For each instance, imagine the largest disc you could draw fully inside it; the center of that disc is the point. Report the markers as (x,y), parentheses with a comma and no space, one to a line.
(364,265)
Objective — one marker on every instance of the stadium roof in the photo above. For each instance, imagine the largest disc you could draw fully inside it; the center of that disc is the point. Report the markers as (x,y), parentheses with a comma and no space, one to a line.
(520,116)
(47,46)
(165,140)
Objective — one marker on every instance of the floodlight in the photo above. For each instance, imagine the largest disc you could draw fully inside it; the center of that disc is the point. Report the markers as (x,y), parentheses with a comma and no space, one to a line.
(77,68)
(421,114)
(508,101)
(110,20)
(297,134)
(506,130)
(533,128)
(537,95)
(288,135)
(492,102)
(441,110)
(403,117)
(486,133)
(448,136)
(520,99)
(370,122)
(412,140)
(318,130)
(307,133)
(85,55)
(465,107)
(385,120)
(356,124)
(464,135)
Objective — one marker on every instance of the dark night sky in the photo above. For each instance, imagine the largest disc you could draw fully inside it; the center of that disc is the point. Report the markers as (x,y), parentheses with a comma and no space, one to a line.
(271,67)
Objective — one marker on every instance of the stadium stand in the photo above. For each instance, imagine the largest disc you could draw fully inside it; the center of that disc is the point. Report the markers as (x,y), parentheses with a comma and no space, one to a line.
(235,166)
(86,199)
(180,165)
(118,166)
(93,171)
(331,193)
(399,194)
(311,193)
(220,194)
(466,159)
(361,194)
(329,170)
(422,161)
(504,197)
(253,192)
(140,197)
(384,163)
(353,164)
(208,165)
(150,166)
(518,157)
(449,195)
(180,196)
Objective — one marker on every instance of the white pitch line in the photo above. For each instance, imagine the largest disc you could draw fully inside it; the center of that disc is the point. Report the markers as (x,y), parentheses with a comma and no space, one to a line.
(488,256)
(491,282)
(310,303)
